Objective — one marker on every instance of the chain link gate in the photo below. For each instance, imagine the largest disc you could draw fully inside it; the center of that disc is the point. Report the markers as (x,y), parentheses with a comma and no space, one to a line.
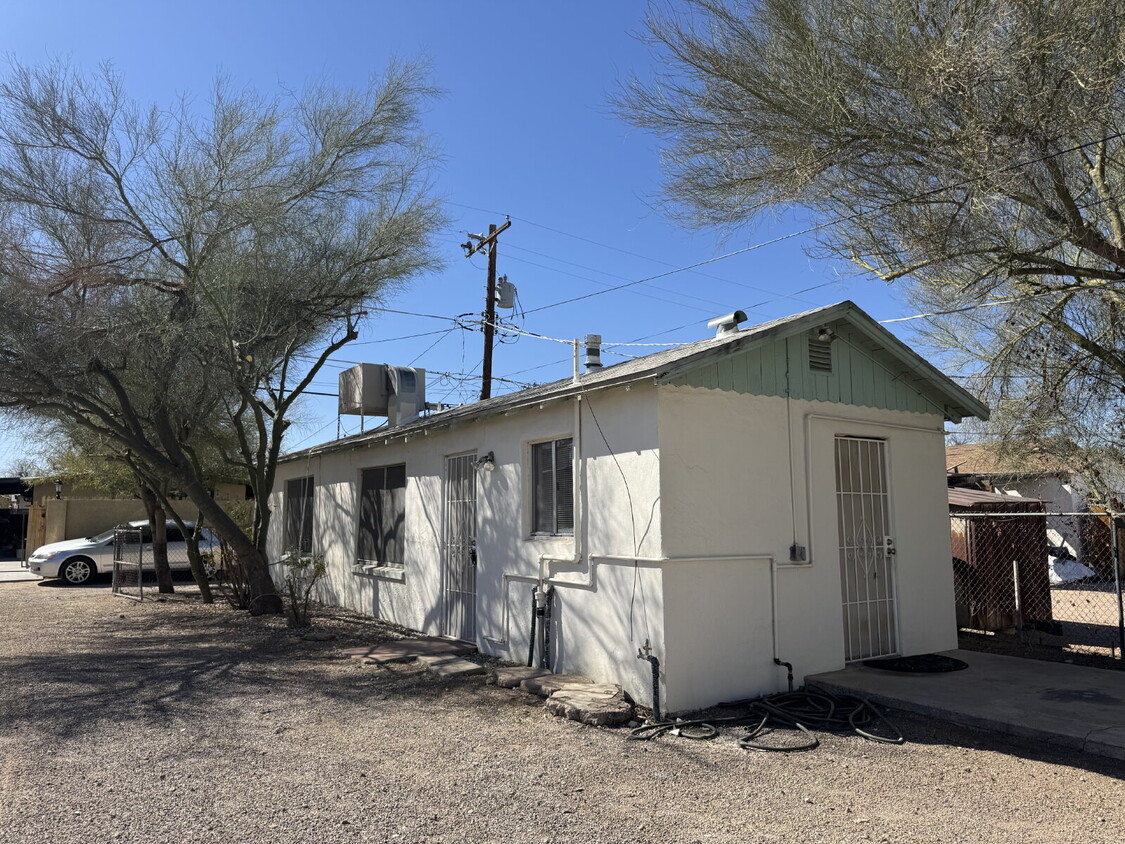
(1040,585)
(128,562)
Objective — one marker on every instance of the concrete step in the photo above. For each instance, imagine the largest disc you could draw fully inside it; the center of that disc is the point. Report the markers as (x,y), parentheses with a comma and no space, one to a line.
(450,666)
(510,676)
(597,704)
(548,683)
(405,650)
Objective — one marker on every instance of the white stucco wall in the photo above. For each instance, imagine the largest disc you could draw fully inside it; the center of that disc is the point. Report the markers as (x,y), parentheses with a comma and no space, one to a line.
(688,497)
(599,610)
(733,478)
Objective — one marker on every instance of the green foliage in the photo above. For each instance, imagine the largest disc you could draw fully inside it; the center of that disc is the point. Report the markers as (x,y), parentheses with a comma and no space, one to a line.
(172,280)
(974,150)
(302,571)
(232,577)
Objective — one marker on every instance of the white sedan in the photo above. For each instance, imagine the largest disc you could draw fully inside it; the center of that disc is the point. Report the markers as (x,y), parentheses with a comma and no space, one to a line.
(77,561)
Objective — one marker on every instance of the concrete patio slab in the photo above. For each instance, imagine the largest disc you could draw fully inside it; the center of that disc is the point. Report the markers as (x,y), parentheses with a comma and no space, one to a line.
(404,650)
(1064,705)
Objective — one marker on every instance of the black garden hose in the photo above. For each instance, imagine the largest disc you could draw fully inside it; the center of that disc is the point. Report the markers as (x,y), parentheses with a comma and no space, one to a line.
(531,638)
(545,657)
(804,711)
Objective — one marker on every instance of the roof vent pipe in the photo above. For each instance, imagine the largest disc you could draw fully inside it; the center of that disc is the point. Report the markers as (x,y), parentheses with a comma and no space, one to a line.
(727,323)
(593,352)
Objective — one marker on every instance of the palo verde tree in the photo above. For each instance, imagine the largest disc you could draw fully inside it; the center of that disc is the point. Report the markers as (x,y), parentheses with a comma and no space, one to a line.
(973,149)
(170,279)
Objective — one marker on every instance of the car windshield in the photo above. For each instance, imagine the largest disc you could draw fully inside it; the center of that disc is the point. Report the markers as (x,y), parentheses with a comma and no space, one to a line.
(101,537)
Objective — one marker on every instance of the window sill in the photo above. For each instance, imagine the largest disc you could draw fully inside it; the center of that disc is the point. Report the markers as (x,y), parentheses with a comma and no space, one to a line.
(395,573)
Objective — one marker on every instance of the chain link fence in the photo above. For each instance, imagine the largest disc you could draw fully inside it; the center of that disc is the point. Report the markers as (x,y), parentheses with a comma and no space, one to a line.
(128,562)
(1043,585)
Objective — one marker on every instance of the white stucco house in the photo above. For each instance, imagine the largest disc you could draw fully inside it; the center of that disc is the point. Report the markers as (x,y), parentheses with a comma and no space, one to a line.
(771,492)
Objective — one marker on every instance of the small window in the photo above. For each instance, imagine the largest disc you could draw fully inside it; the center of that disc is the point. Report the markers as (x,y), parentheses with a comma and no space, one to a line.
(552,469)
(382,516)
(299,515)
(820,355)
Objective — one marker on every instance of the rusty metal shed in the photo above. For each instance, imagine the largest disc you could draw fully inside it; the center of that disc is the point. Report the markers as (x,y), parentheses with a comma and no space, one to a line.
(999,561)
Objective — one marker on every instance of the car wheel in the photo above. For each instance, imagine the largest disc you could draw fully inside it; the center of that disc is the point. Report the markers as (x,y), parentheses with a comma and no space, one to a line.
(78,570)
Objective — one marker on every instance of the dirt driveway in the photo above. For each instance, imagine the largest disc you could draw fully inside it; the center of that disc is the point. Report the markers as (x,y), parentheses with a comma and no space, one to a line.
(176,722)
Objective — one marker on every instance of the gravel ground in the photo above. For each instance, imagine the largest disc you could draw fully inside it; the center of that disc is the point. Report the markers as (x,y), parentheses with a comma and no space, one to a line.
(179,722)
(1089,635)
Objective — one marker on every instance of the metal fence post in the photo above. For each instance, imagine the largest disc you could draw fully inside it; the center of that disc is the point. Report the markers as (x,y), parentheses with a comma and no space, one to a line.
(1016,590)
(1117,586)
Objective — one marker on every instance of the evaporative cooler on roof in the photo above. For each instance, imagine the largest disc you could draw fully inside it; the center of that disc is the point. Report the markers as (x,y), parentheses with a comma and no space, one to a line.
(375,389)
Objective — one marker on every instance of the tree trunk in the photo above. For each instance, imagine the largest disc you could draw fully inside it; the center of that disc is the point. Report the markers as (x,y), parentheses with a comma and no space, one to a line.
(194,559)
(264,597)
(159,527)
(197,570)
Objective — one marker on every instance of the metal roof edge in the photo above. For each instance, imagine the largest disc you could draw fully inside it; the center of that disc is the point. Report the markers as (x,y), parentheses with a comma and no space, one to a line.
(663,369)
(441,420)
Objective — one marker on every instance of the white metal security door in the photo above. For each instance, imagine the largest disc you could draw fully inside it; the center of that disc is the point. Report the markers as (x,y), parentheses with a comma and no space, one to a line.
(867,562)
(461,547)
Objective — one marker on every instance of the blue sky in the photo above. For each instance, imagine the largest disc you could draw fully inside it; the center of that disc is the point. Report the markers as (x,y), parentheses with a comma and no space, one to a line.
(525,131)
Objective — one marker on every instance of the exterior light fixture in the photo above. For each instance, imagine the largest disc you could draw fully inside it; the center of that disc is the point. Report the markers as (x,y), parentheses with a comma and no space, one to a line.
(486,463)
(825,333)
(58,489)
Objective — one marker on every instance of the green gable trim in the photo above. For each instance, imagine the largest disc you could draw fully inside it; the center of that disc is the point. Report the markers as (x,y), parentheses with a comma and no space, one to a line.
(863,374)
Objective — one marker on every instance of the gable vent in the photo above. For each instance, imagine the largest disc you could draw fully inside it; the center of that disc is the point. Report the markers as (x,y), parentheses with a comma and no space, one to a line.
(820,355)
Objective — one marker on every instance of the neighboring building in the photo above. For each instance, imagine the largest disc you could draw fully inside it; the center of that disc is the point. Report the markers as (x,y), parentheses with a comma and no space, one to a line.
(1036,476)
(65,510)
(771,492)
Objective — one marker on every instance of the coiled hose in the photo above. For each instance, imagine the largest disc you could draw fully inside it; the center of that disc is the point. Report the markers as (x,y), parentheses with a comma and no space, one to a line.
(804,711)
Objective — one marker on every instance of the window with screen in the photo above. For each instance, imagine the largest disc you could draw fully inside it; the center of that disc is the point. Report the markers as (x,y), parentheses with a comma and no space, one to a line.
(552,472)
(382,516)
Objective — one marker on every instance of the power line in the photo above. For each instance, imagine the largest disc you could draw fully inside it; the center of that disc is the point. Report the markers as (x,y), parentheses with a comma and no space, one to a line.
(414,313)
(521,331)
(628,252)
(1007,300)
(431,346)
(608,275)
(828,223)
(404,337)
(762,244)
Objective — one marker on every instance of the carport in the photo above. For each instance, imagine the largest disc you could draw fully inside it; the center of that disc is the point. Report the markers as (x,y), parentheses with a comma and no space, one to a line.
(13,520)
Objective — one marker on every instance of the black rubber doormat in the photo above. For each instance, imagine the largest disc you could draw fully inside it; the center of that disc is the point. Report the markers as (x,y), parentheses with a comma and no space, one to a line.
(921,664)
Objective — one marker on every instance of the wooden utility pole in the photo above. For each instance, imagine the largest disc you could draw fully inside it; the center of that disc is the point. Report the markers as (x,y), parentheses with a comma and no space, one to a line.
(471,249)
